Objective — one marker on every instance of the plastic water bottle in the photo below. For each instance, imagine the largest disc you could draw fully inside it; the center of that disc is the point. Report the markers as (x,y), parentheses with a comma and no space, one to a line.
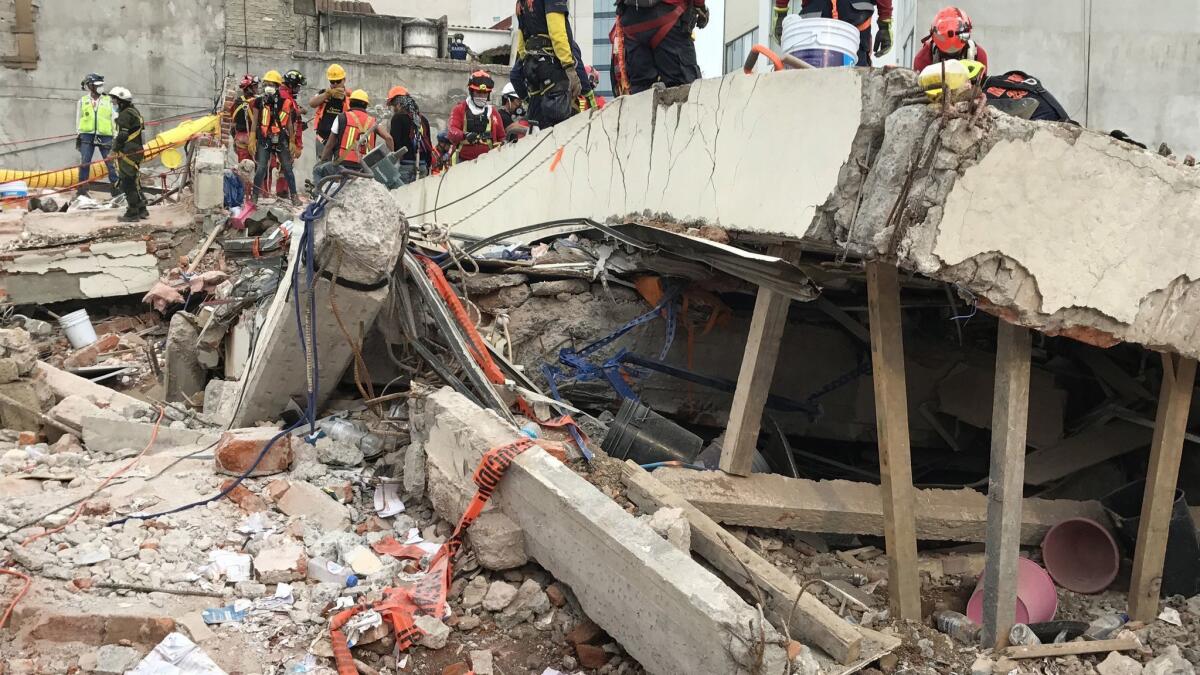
(329,572)
(353,433)
(957,626)
(1020,634)
(1105,626)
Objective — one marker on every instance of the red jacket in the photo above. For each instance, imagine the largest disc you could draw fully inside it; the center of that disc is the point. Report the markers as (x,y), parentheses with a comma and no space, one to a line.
(924,57)
(458,132)
(885,7)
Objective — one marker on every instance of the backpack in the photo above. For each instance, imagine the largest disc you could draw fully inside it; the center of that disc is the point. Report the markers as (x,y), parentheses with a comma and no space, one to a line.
(1016,85)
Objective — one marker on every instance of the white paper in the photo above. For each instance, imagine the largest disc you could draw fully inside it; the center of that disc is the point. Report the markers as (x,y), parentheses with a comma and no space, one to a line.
(235,566)
(387,499)
(176,655)
(1171,616)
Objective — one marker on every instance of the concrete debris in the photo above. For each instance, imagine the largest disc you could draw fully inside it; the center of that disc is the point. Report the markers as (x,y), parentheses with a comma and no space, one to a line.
(336,453)
(671,525)
(482,662)
(499,596)
(183,375)
(116,659)
(543,289)
(482,284)
(1118,664)
(474,593)
(310,502)
(1170,662)
(17,353)
(281,563)
(436,633)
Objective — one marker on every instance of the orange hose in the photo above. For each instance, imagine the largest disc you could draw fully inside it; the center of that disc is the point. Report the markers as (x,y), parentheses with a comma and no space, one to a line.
(760,49)
(118,472)
(20,594)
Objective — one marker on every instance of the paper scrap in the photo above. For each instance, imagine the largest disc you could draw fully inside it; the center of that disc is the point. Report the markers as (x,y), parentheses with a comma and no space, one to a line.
(1171,616)
(387,498)
(176,655)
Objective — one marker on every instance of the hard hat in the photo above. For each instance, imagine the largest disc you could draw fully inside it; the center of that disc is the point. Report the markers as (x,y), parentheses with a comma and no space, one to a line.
(121,93)
(335,73)
(295,78)
(248,81)
(360,95)
(273,77)
(508,92)
(396,91)
(950,30)
(92,78)
(593,76)
(481,81)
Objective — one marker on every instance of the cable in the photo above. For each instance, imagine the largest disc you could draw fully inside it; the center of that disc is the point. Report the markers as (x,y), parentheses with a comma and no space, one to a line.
(20,594)
(104,484)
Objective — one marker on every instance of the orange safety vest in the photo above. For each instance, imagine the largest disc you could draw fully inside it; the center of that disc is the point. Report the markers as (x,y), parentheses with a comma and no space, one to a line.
(358,138)
(273,124)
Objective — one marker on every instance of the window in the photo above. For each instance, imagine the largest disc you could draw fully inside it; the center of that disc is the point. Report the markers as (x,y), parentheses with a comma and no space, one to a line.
(907,55)
(601,52)
(604,6)
(737,51)
(602,26)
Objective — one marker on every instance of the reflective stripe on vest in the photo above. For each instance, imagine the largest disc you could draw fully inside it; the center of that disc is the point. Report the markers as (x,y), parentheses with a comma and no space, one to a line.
(97,120)
(487,132)
(358,138)
(279,123)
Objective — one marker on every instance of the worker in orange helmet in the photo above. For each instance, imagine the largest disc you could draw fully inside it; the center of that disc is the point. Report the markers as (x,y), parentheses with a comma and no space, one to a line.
(950,38)
(410,129)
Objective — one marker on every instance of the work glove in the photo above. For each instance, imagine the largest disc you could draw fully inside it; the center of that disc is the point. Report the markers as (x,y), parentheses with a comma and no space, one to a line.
(885,37)
(473,137)
(574,88)
(702,16)
(780,13)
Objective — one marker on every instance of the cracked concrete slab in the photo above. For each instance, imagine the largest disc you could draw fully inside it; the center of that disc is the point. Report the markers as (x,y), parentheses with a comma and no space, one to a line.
(1061,229)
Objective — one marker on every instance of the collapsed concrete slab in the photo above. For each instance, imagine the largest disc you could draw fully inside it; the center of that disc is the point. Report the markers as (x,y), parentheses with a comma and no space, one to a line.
(845,507)
(1036,220)
(358,243)
(629,580)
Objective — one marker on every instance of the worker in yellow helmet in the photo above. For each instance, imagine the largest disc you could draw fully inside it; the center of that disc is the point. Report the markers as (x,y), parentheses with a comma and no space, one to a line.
(278,122)
(354,133)
(330,103)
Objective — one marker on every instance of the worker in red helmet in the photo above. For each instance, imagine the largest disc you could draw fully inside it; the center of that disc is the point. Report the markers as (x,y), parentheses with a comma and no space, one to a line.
(475,124)
(242,114)
(859,13)
(950,38)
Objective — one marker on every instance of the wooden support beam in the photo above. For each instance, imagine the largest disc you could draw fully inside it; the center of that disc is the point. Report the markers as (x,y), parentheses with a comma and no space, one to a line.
(806,619)
(1166,449)
(754,381)
(1071,648)
(895,461)
(1010,422)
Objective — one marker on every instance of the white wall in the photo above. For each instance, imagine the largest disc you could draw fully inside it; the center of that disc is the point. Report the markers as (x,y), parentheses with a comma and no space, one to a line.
(1111,65)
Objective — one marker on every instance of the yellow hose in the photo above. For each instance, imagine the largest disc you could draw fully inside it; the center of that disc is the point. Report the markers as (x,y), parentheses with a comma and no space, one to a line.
(70,176)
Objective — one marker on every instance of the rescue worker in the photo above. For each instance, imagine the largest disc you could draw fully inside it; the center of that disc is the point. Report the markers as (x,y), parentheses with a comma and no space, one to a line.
(652,42)
(475,124)
(353,134)
(442,150)
(242,115)
(410,129)
(511,107)
(329,103)
(950,38)
(293,80)
(95,118)
(457,48)
(127,144)
(278,117)
(859,13)
(546,50)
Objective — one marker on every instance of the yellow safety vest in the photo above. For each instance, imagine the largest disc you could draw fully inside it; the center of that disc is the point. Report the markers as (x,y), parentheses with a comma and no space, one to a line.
(98,120)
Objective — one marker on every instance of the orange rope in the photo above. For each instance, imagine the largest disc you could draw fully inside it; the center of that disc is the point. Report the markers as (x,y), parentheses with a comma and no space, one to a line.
(118,472)
(20,594)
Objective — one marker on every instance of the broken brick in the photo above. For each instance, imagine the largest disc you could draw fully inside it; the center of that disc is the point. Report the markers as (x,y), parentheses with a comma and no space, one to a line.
(556,595)
(281,564)
(591,656)
(585,632)
(373,524)
(276,488)
(344,492)
(238,448)
(26,438)
(96,507)
(460,668)
(244,498)
(87,356)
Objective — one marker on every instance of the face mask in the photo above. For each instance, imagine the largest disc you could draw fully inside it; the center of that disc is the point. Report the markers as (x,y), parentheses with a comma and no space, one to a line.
(100,88)
(479,101)
(270,90)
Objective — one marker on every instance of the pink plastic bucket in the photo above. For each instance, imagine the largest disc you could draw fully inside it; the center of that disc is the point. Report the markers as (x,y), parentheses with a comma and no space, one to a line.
(1037,598)
(1081,555)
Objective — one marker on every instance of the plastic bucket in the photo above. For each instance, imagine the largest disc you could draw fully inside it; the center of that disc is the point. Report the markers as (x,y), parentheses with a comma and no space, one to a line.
(78,328)
(640,434)
(1081,555)
(1181,570)
(822,43)
(1037,599)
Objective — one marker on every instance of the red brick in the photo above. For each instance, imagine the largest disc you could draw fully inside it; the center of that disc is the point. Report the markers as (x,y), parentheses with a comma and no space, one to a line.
(276,489)
(238,448)
(27,438)
(82,583)
(556,595)
(460,668)
(591,656)
(585,632)
(244,498)
(344,492)
(96,507)
(87,356)
(373,524)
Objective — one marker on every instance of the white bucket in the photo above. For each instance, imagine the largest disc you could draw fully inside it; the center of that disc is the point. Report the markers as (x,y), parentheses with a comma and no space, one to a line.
(78,328)
(823,43)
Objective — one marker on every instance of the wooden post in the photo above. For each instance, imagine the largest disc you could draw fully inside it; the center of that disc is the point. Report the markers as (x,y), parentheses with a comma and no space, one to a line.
(895,462)
(1010,421)
(754,381)
(1174,400)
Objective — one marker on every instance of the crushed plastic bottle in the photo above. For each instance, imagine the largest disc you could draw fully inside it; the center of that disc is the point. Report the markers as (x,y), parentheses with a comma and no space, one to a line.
(327,571)
(957,626)
(1105,626)
(1022,635)
(354,433)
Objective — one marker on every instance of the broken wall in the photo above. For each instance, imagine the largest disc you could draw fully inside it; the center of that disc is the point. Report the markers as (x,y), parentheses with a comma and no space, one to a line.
(1035,220)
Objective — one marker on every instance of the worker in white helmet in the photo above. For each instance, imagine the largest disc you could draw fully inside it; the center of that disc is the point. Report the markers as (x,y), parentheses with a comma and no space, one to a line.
(127,145)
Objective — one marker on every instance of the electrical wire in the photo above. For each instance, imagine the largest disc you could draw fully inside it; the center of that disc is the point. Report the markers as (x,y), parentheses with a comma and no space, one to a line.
(20,594)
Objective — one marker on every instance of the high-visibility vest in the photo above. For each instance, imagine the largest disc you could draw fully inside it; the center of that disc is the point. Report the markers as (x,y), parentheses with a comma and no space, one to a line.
(96,120)
(358,138)
(276,123)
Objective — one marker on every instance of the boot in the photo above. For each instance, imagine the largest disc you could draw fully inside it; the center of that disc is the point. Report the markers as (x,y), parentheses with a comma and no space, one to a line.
(144,214)
(129,217)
